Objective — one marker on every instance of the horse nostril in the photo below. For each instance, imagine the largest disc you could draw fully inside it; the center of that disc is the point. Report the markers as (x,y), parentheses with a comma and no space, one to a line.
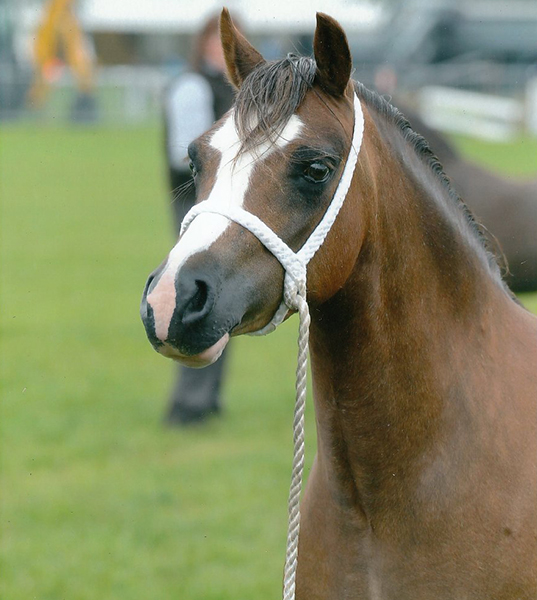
(200,297)
(198,303)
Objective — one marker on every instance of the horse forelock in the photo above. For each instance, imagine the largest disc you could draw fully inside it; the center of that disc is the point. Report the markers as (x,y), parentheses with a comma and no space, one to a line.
(269,97)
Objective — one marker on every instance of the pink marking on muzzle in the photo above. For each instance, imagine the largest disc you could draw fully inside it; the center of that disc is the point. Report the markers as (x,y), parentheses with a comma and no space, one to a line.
(162,300)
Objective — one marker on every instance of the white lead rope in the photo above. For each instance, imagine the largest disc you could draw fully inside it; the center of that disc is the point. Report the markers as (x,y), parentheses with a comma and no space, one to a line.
(294,298)
(293,527)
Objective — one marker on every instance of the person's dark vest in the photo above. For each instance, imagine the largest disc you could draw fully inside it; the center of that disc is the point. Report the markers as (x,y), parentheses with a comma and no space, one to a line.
(223,95)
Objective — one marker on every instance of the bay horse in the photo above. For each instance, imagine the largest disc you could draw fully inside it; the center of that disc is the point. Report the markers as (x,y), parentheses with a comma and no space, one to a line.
(424,485)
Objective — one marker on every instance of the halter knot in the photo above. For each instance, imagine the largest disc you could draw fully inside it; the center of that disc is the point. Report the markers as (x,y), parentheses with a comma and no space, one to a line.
(292,289)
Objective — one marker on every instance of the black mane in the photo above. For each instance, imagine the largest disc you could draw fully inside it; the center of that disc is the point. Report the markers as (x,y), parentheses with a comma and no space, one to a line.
(424,151)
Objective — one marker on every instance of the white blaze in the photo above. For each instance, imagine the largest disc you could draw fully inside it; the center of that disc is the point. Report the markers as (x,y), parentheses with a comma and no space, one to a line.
(231,185)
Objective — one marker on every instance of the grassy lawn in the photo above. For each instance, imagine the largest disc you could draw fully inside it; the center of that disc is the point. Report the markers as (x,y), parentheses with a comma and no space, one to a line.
(98,499)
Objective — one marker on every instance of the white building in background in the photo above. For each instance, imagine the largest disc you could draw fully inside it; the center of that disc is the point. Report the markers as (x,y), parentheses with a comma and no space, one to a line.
(185,16)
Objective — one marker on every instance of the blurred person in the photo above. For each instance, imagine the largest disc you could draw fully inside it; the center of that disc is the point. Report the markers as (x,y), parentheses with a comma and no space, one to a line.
(192,103)
(60,40)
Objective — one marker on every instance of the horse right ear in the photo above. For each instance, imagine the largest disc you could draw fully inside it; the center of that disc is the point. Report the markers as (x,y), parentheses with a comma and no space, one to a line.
(241,57)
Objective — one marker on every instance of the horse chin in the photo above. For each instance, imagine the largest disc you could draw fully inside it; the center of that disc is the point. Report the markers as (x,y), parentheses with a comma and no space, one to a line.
(196,361)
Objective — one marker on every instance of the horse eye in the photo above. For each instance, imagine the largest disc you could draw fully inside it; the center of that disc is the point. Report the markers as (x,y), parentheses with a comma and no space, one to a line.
(192,168)
(316,173)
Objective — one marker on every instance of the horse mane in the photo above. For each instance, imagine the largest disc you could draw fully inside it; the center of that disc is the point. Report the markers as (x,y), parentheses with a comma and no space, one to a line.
(423,150)
(273,92)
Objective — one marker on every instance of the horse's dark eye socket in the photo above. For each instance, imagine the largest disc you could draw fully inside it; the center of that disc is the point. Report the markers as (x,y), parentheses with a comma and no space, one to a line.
(192,168)
(316,173)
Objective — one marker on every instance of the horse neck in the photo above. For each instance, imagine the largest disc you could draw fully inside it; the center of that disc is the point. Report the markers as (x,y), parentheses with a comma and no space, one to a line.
(387,347)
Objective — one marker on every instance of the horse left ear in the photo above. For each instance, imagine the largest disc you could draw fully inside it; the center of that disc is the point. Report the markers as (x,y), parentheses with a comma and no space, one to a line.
(332,55)
(241,57)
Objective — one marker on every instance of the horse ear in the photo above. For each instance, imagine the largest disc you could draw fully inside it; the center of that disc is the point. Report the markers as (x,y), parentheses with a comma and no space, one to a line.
(241,57)
(332,55)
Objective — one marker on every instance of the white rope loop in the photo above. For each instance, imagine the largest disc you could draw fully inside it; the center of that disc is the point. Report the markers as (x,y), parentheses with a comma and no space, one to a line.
(319,234)
(317,237)
(294,298)
(295,268)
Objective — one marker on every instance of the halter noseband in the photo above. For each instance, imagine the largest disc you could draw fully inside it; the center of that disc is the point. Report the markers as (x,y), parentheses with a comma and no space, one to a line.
(294,298)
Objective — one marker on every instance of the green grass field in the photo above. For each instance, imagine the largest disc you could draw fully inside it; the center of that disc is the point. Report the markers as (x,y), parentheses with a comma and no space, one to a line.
(98,500)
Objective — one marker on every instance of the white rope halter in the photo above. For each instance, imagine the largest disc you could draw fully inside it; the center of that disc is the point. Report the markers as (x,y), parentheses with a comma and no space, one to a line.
(294,298)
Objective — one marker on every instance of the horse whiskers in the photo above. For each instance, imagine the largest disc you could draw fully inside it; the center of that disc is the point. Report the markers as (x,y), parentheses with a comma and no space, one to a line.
(181,190)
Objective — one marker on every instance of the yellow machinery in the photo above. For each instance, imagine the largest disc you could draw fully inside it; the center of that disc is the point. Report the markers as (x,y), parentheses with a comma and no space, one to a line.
(60,31)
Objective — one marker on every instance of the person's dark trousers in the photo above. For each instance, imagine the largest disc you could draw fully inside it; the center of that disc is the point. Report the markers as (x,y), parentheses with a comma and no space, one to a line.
(196,393)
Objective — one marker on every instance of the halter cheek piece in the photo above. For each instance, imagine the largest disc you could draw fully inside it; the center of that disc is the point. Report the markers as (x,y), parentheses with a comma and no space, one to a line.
(294,298)
(295,264)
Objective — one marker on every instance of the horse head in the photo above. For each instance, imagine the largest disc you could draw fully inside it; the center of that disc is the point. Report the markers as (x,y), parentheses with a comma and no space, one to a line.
(278,155)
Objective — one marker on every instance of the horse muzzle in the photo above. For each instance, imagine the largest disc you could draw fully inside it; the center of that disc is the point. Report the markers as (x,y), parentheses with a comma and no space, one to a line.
(184,314)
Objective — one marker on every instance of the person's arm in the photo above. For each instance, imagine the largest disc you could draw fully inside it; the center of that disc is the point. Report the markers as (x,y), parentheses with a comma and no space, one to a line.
(189,113)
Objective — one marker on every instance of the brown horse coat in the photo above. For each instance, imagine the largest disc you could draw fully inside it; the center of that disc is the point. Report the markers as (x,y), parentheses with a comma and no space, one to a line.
(425,388)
